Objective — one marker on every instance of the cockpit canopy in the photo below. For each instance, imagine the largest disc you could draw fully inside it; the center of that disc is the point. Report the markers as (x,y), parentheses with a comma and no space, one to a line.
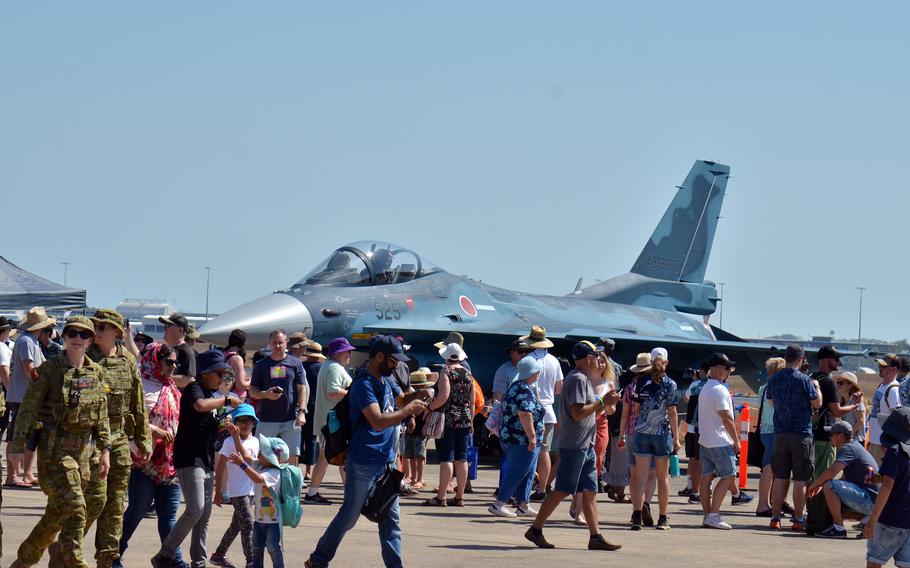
(369,263)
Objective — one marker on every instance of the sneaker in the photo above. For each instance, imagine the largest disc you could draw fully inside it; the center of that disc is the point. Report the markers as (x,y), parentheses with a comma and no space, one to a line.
(597,542)
(832,532)
(636,520)
(766,513)
(501,511)
(646,518)
(774,524)
(406,490)
(662,523)
(316,499)
(713,521)
(695,498)
(685,492)
(536,536)
(741,497)
(162,561)
(799,525)
(538,496)
(529,512)
(221,561)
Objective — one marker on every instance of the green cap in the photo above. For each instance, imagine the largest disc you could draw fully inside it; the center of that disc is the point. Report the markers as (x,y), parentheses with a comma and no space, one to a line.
(80,322)
(192,332)
(108,316)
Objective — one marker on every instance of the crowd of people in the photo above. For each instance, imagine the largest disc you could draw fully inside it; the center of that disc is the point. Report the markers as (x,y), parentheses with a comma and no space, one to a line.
(122,428)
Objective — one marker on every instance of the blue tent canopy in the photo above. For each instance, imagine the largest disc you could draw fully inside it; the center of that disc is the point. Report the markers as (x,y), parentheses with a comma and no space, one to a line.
(20,290)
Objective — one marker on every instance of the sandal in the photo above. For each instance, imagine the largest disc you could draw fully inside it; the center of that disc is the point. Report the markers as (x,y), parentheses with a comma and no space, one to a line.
(453,502)
(435,502)
(419,485)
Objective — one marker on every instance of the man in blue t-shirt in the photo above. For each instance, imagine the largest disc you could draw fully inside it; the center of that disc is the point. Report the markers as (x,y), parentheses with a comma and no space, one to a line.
(372,448)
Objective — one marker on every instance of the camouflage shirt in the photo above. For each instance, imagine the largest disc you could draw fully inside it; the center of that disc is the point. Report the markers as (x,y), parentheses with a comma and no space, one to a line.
(125,399)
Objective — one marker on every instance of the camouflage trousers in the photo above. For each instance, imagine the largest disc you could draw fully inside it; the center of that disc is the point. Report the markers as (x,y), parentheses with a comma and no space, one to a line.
(63,471)
(105,501)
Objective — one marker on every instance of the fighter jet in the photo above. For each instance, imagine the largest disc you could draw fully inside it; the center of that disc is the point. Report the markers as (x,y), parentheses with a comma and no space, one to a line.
(372,287)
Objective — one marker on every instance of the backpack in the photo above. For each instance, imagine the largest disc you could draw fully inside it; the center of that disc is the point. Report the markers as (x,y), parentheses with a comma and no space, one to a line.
(290,483)
(818,517)
(339,428)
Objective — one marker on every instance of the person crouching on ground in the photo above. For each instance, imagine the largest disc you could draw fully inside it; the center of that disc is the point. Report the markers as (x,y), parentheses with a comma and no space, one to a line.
(577,469)
(371,449)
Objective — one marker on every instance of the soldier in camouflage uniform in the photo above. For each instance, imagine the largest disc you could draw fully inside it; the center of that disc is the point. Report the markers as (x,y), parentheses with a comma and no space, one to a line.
(105,499)
(64,412)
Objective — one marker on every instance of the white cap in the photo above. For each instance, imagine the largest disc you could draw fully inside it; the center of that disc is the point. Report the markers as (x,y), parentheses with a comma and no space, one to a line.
(659,352)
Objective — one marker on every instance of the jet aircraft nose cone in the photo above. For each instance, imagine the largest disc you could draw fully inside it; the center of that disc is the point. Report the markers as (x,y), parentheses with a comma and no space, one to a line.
(259,318)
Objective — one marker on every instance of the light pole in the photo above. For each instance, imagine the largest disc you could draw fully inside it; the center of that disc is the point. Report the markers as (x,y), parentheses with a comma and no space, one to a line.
(722,284)
(208,275)
(65,270)
(859,334)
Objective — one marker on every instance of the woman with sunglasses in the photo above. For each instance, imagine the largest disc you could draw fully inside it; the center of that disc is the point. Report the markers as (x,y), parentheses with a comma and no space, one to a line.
(64,415)
(155,480)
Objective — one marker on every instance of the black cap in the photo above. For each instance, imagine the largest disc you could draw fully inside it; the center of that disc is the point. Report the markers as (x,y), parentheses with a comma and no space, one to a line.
(520,345)
(139,336)
(896,428)
(388,345)
(584,348)
(828,352)
(608,343)
(794,353)
(5,324)
(720,359)
(175,319)
(905,364)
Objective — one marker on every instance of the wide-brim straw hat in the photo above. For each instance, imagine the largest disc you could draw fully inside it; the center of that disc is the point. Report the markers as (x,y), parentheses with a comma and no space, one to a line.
(453,352)
(642,363)
(537,339)
(314,350)
(36,319)
(423,377)
(849,377)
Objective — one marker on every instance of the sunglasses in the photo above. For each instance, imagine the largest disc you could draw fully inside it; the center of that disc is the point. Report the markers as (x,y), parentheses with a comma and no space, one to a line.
(170,362)
(72,333)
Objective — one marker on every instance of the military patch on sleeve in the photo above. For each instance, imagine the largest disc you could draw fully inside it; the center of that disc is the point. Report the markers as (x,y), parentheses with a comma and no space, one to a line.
(35,374)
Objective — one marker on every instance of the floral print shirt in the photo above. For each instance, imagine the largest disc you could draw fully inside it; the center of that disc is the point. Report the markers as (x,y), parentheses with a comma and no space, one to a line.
(520,397)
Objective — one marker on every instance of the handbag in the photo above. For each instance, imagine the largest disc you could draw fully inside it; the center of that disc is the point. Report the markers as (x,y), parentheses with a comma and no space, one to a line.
(382,495)
(494,420)
(756,446)
(434,425)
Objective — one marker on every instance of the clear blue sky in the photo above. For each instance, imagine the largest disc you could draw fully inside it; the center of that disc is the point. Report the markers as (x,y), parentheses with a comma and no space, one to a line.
(521,143)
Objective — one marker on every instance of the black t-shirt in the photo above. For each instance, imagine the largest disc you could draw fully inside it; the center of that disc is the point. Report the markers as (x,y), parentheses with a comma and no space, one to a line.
(402,376)
(186,360)
(312,372)
(823,417)
(194,444)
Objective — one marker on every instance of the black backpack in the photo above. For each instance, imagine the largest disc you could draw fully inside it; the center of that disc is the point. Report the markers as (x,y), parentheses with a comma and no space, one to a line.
(336,443)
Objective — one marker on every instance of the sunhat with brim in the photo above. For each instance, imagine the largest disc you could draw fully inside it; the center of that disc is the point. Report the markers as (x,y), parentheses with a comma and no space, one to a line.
(108,316)
(36,319)
(452,337)
(211,361)
(314,350)
(339,345)
(273,449)
(80,322)
(423,377)
(528,367)
(244,410)
(896,429)
(519,345)
(847,376)
(642,363)
(537,339)
(297,340)
(453,352)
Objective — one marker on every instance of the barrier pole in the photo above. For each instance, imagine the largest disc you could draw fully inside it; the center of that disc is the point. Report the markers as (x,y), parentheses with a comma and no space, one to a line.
(745,424)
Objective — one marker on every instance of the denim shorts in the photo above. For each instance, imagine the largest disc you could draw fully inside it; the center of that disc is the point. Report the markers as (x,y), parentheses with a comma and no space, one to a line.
(889,542)
(852,496)
(657,445)
(453,446)
(768,441)
(577,471)
(719,462)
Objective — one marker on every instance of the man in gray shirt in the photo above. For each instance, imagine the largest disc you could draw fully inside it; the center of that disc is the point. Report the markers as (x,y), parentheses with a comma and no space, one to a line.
(27,357)
(577,470)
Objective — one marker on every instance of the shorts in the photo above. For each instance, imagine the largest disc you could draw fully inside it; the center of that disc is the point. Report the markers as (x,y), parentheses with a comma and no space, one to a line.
(309,449)
(414,447)
(852,496)
(794,454)
(719,462)
(453,446)
(692,446)
(657,445)
(12,410)
(549,430)
(577,471)
(889,542)
(767,440)
(284,430)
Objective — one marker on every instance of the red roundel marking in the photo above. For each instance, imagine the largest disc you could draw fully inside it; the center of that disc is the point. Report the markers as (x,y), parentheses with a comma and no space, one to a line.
(468,306)
(409,302)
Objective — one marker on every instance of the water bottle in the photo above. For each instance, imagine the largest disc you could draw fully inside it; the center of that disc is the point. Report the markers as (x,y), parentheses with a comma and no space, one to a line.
(334,423)
(674,465)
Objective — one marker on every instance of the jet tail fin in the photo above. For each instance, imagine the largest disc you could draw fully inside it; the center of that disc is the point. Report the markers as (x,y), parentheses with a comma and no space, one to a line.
(679,248)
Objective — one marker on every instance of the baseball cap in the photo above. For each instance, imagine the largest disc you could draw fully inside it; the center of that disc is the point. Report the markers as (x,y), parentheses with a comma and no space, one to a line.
(175,319)
(896,428)
(888,360)
(659,352)
(828,352)
(840,427)
(720,359)
(584,348)
(388,345)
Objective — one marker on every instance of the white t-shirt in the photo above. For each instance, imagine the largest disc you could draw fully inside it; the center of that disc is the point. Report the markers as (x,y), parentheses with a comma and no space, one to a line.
(882,406)
(6,355)
(239,483)
(713,399)
(550,374)
(266,506)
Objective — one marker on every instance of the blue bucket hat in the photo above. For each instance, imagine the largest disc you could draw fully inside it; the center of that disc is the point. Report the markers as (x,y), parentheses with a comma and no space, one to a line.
(528,367)
(211,361)
(244,410)
(273,449)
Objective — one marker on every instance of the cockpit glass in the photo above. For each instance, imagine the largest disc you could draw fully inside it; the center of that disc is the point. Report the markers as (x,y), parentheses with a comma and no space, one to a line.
(369,263)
